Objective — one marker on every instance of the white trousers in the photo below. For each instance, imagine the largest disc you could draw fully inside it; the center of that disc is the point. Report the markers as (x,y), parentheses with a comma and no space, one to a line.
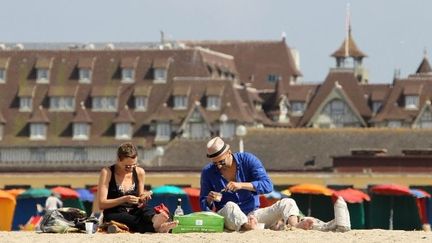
(282,209)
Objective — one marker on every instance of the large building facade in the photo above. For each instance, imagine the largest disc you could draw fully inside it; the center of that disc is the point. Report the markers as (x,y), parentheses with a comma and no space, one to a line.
(67,108)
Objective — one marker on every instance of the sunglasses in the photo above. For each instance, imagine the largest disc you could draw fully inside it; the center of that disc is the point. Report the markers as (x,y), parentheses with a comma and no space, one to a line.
(220,162)
(128,167)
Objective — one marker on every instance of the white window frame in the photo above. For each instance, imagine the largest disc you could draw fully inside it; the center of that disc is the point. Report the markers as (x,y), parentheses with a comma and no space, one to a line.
(26,104)
(394,123)
(128,75)
(376,106)
(42,75)
(123,130)
(62,103)
(163,130)
(38,131)
(298,108)
(273,78)
(85,75)
(227,129)
(104,103)
(81,131)
(213,102)
(425,120)
(2,75)
(141,103)
(180,102)
(411,102)
(160,74)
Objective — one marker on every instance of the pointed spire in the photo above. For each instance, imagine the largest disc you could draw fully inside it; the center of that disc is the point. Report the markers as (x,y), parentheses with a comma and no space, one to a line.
(348,47)
(424,66)
(348,29)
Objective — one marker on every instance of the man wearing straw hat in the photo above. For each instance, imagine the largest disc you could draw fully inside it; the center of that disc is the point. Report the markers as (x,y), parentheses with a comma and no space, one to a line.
(231,185)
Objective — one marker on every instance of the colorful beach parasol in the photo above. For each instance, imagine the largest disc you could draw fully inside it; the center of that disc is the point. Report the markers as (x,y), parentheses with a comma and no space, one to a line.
(65,192)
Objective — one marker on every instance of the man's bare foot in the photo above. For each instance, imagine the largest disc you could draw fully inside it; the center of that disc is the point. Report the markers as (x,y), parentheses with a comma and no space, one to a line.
(251,224)
(167,226)
(305,224)
(280,225)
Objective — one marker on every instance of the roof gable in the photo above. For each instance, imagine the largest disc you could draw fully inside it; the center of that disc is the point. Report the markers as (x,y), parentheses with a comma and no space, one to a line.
(337,93)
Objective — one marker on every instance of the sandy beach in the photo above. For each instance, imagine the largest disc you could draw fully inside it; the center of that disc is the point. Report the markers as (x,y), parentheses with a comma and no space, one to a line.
(258,236)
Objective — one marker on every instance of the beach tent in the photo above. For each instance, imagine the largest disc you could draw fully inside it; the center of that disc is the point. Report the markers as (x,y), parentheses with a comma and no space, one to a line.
(422,200)
(15,192)
(7,207)
(314,200)
(69,197)
(193,195)
(87,198)
(269,199)
(26,205)
(168,195)
(393,207)
(356,206)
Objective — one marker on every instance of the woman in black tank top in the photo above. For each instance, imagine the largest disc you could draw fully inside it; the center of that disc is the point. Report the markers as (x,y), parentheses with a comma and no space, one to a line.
(122,195)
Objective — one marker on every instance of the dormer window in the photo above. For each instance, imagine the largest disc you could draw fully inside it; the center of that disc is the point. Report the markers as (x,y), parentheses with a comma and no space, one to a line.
(38,131)
(163,131)
(213,102)
(81,131)
(297,108)
(273,78)
(43,66)
(2,75)
(411,102)
(128,75)
(180,102)
(376,106)
(104,103)
(62,103)
(26,104)
(85,75)
(123,130)
(160,74)
(141,103)
(394,123)
(42,75)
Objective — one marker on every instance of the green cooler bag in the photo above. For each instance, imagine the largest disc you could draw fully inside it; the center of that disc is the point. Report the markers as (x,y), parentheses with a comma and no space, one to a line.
(199,222)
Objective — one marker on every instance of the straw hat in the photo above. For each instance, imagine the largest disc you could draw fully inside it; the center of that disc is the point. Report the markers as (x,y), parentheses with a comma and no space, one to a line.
(216,146)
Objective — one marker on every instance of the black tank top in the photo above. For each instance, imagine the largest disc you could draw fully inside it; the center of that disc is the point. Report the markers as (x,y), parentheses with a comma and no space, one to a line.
(115,192)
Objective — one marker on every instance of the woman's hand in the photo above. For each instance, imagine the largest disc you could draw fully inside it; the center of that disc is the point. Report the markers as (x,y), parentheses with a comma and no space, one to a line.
(145,196)
(131,199)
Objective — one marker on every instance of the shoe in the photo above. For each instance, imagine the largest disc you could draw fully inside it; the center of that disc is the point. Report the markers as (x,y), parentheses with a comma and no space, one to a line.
(342,217)
(112,229)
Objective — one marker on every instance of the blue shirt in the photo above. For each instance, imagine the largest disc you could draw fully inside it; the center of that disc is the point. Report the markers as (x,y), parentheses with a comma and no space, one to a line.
(249,169)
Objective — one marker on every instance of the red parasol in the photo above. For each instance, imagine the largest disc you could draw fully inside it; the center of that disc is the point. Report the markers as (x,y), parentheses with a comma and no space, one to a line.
(65,192)
(352,195)
(391,189)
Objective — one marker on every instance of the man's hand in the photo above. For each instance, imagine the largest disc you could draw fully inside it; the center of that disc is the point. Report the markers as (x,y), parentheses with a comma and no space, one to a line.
(234,186)
(211,196)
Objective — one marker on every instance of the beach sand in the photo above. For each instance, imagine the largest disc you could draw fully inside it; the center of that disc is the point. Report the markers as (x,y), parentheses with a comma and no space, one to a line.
(257,236)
